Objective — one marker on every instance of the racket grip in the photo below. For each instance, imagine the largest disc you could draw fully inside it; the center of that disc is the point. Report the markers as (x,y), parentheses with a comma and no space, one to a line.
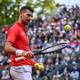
(19,58)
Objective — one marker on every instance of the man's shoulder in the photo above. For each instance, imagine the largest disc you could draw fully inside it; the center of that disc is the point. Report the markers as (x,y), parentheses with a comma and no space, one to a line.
(14,26)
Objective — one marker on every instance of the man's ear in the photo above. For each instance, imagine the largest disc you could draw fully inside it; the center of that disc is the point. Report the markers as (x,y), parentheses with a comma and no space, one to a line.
(21,14)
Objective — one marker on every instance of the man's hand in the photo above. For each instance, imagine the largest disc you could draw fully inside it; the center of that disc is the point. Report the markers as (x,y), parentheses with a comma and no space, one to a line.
(28,54)
(39,66)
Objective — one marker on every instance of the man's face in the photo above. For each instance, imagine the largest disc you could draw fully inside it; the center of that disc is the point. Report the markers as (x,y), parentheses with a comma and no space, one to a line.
(26,16)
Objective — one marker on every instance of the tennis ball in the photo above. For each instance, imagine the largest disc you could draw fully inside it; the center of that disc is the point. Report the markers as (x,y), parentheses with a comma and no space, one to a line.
(67,27)
(39,66)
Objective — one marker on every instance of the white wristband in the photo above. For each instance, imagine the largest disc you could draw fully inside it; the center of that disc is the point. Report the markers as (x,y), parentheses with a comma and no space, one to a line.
(19,52)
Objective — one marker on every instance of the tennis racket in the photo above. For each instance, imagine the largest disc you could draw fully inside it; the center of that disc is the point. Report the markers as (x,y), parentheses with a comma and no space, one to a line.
(47,50)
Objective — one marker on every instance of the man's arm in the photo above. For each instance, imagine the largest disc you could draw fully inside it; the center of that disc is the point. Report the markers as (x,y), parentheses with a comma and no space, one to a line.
(9,48)
(12,50)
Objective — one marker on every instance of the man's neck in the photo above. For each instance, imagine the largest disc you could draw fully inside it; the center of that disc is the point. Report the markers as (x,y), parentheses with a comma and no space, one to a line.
(19,20)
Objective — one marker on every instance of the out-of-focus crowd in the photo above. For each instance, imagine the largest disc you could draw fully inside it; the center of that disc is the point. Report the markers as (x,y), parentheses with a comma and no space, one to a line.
(60,65)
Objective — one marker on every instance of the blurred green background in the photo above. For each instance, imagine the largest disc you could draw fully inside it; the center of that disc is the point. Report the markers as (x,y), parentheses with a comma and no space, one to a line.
(9,9)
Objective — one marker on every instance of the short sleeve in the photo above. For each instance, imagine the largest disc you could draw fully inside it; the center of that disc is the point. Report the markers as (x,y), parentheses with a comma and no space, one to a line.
(12,35)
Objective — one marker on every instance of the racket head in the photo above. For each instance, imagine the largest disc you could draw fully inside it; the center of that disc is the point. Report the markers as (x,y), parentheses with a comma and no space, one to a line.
(51,49)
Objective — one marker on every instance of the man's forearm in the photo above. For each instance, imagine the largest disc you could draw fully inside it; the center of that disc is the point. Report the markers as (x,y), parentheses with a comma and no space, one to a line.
(9,48)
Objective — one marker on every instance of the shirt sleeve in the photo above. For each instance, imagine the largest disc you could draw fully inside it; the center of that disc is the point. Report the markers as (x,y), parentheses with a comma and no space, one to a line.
(12,35)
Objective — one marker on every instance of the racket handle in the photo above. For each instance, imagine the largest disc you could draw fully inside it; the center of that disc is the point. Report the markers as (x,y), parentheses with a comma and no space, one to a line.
(19,58)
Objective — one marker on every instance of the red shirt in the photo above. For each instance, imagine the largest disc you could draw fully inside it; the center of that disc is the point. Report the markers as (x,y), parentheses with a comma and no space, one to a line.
(17,35)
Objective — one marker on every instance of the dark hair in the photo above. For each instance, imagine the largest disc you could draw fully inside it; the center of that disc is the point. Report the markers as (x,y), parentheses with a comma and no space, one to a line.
(26,7)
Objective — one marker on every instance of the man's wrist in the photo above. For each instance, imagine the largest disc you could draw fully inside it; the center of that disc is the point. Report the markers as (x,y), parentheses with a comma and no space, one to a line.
(19,52)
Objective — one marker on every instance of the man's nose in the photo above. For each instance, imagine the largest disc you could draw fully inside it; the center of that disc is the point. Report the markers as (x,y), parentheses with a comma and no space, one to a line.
(30,19)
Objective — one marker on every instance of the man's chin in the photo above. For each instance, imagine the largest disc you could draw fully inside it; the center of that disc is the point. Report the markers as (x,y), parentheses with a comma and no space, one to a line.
(25,23)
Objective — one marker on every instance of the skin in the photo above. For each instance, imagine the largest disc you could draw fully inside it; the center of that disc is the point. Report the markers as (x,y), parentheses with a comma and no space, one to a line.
(25,18)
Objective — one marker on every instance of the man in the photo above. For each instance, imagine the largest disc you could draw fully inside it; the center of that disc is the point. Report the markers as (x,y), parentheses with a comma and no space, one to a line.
(17,45)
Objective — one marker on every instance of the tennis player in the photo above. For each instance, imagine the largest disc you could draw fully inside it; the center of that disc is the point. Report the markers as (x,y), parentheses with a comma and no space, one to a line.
(17,44)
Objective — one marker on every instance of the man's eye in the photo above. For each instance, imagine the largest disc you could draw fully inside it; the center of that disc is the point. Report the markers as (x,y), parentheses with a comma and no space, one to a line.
(29,15)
